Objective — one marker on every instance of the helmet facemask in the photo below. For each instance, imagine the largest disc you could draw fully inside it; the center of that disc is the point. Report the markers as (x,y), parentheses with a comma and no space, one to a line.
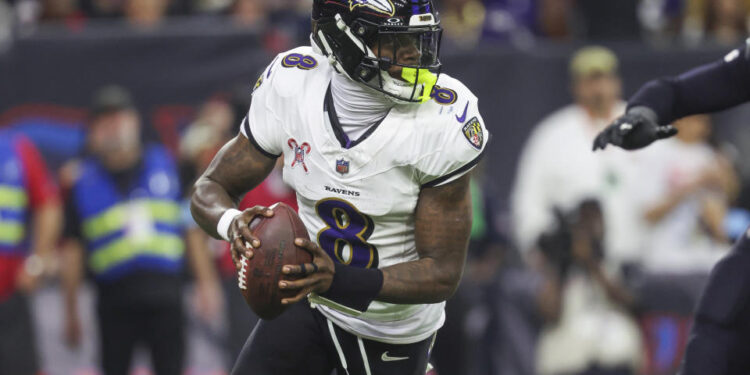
(398,60)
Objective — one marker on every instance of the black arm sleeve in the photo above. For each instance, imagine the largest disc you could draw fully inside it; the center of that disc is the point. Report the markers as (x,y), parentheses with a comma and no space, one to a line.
(709,88)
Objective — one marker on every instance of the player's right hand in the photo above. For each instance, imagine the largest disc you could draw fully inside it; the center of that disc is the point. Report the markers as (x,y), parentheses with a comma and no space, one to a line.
(632,131)
(242,239)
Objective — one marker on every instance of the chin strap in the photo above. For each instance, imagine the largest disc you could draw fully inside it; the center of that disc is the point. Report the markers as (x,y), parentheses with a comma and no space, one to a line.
(325,50)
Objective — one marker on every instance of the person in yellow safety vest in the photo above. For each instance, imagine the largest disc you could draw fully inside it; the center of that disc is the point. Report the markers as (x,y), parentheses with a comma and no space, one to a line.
(123,222)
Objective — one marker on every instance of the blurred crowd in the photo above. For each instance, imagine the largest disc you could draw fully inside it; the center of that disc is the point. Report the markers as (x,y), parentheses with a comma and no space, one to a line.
(466,22)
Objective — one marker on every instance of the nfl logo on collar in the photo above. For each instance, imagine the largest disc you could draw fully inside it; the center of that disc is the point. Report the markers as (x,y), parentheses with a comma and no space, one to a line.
(342,166)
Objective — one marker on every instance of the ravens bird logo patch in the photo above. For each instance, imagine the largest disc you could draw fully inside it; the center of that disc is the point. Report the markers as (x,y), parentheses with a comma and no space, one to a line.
(380,6)
(473,132)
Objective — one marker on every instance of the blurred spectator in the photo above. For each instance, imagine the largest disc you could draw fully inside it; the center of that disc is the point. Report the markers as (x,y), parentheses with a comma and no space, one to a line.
(661,19)
(250,13)
(65,12)
(280,24)
(589,19)
(198,145)
(205,136)
(216,122)
(30,223)
(102,8)
(209,6)
(720,21)
(512,20)
(55,10)
(291,21)
(608,20)
(7,15)
(145,13)
(462,21)
(123,205)
(139,12)
(555,18)
(592,333)
(201,141)
(26,13)
(557,172)
(557,168)
(685,193)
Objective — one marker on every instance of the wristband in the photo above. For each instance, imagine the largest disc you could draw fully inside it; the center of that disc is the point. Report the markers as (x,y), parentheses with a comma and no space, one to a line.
(355,287)
(222,228)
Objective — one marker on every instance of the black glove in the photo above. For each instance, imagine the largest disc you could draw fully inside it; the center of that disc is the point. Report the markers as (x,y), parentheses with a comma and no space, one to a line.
(636,129)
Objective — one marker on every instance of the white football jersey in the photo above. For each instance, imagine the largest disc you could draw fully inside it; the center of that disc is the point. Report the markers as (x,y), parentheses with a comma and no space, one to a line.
(357,198)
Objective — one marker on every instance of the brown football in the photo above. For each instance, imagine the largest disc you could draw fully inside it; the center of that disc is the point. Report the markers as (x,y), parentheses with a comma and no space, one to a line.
(259,277)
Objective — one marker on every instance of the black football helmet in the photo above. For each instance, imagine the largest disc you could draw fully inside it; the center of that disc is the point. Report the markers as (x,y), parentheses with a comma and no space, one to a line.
(365,39)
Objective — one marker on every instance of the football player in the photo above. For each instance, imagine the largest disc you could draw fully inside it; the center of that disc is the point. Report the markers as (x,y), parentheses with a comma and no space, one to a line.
(377,145)
(720,339)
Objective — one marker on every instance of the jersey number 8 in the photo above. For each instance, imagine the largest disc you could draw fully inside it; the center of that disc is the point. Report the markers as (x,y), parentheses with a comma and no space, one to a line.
(345,236)
(304,62)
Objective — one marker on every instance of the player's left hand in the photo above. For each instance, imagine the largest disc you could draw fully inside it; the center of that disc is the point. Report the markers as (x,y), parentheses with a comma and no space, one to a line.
(316,276)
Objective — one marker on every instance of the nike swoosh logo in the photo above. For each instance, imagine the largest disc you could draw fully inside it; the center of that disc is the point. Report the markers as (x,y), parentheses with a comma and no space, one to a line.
(463,116)
(386,358)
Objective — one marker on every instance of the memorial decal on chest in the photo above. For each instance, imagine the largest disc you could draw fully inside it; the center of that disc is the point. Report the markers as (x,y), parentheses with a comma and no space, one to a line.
(300,150)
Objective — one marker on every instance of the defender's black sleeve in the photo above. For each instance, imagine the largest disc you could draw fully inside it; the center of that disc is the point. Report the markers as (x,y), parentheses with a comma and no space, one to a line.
(720,337)
(708,88)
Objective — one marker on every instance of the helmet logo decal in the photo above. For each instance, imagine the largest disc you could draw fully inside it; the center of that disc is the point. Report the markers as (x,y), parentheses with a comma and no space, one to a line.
(380,6)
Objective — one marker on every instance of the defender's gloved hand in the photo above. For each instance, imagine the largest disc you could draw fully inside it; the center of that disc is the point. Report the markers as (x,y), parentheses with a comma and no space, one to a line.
(636,129)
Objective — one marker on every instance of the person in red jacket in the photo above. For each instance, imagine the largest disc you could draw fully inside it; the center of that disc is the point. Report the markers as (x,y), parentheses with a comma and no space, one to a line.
(30,217)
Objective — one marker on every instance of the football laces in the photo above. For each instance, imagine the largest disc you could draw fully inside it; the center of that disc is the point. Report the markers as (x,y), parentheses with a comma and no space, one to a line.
(242,274)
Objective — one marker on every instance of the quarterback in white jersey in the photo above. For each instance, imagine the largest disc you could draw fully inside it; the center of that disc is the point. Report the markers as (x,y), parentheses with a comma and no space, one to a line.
(377,145)
(370,185)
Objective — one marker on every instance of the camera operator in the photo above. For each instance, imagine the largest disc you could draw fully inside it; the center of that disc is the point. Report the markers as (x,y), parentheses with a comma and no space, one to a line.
(592,331)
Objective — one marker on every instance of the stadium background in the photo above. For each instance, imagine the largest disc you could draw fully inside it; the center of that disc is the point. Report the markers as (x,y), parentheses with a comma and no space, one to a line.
(513,54)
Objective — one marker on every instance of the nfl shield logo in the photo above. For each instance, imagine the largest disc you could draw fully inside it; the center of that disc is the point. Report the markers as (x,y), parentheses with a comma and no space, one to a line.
(342,166)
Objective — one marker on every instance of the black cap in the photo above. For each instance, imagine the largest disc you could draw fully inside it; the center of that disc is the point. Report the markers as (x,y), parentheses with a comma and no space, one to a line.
(110,99)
